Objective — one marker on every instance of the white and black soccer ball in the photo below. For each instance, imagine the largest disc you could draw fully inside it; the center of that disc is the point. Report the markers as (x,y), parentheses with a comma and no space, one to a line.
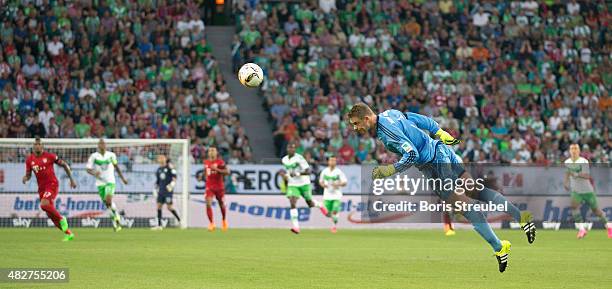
(250,75)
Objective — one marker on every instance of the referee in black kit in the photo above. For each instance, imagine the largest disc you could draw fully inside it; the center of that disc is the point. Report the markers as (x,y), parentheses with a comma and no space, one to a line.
(164,186)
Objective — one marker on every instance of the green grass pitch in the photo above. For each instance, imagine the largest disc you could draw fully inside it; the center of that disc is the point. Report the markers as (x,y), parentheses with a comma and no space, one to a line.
(240,258)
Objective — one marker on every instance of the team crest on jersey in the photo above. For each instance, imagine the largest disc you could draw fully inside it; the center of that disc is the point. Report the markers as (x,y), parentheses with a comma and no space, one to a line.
(407,147)
(32,163)
(45,160)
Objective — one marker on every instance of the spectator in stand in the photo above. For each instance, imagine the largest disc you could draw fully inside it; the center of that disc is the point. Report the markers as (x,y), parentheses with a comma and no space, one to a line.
(527,78)
(111,69)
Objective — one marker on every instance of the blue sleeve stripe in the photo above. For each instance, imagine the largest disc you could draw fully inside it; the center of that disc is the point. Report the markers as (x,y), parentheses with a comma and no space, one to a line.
(423,122)
(412,156)
(407,163)
(389,133)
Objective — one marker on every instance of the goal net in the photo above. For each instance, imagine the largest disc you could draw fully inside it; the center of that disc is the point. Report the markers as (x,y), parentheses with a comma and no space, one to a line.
(136,200)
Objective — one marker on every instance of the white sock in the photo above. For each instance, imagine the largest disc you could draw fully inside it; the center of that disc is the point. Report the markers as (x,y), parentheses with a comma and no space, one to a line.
(316,203)
(113,209)
(294,218)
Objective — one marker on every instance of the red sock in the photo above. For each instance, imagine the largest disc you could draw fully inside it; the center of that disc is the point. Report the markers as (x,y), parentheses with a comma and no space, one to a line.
(53,214)
(447,220)
(222,211)
(55,222)
(209,213)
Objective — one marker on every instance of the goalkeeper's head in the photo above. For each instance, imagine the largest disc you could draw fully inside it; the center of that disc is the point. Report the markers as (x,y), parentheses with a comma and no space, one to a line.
(362,118)
(162,160)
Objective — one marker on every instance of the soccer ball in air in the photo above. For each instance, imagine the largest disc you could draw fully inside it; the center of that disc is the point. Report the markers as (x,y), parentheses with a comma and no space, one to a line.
(250,75)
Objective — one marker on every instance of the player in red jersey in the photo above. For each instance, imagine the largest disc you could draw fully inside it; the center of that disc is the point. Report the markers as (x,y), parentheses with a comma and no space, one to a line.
(41,162)
(214,171)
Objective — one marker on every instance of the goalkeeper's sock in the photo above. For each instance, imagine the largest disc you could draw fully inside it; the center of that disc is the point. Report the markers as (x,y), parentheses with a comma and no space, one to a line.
(483,228)
(294,218)
(159,217)
(209,213)
(498,199)
(176,215)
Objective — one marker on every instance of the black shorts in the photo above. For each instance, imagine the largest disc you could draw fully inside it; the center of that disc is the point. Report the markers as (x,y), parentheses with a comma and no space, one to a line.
(164,198)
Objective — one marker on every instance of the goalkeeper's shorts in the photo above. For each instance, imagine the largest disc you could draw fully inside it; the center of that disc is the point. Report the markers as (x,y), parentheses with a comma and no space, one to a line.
(444,165)
(164,198)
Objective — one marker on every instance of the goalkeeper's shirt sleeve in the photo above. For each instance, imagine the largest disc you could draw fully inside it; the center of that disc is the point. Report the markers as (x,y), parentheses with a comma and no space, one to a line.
(396,139)
(423,122)
(409,157)
(394,136)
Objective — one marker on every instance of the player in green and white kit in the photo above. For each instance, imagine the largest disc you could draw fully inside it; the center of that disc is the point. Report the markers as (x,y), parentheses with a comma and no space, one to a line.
(102,165)
(297,176)
(332,179)
(578,182)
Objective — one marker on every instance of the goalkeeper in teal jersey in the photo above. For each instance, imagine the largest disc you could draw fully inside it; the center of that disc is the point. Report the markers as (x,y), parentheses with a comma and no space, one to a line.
(407,135)
(332,179)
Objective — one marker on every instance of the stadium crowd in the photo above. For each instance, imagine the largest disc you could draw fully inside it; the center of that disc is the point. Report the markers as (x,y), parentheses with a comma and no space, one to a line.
(117,69)
(517,81)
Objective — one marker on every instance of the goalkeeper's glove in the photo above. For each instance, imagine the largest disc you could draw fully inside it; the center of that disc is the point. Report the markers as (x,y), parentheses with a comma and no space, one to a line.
(170,186)
(447,138)
(382,172)
(155,191)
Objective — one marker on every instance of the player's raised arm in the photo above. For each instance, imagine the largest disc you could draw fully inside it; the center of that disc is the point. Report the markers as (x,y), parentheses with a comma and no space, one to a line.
(427,123)
(423,122)
(66,167)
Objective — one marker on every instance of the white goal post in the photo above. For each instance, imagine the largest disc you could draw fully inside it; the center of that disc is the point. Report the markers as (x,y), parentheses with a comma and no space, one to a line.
(136,157)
